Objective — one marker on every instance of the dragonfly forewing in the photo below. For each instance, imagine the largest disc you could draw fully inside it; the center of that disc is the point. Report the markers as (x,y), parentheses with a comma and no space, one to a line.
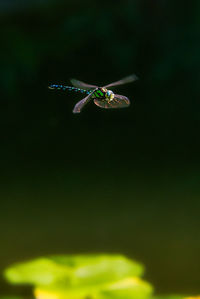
(125,80)
(80,84)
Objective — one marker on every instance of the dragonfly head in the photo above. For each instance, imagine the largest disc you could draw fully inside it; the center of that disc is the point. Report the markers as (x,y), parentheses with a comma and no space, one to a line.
(110,95)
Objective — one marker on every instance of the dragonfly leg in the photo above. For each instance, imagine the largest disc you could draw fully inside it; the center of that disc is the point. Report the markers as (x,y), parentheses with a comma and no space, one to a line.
(111,98)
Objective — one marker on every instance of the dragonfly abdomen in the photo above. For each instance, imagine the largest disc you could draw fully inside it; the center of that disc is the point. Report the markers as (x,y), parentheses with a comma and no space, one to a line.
(70,88)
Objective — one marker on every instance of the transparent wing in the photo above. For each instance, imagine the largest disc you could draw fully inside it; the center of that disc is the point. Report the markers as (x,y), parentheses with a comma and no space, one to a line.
(81,104)
(125,80)
(80,84)
(119,101)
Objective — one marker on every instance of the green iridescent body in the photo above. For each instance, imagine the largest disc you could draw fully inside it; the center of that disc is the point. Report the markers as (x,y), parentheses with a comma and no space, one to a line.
(103,94)
(98,94)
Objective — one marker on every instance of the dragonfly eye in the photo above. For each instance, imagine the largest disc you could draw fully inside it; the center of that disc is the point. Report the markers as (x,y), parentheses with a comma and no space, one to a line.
(108,93)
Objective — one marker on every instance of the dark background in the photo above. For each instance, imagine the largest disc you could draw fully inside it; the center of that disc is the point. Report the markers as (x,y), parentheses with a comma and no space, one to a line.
(122,181)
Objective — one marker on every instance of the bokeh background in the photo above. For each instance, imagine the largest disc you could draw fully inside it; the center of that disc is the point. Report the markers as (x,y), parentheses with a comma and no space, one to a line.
(122,181)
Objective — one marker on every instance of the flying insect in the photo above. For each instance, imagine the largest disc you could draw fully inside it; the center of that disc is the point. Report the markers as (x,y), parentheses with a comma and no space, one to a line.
(102,96)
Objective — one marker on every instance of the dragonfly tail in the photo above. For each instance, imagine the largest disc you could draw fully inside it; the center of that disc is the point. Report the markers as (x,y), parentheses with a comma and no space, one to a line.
(70,88)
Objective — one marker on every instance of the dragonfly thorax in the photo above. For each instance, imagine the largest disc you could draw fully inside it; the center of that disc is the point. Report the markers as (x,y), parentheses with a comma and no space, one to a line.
(109,95)
(103,94)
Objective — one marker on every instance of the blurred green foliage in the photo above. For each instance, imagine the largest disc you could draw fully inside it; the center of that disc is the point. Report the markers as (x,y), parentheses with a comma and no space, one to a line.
(82,276)
(73,270)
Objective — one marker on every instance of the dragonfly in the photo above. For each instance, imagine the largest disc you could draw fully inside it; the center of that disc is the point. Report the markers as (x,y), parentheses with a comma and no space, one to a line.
(101,96)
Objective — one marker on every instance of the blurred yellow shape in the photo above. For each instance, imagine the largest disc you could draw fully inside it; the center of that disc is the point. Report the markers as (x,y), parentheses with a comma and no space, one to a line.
(127,288)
